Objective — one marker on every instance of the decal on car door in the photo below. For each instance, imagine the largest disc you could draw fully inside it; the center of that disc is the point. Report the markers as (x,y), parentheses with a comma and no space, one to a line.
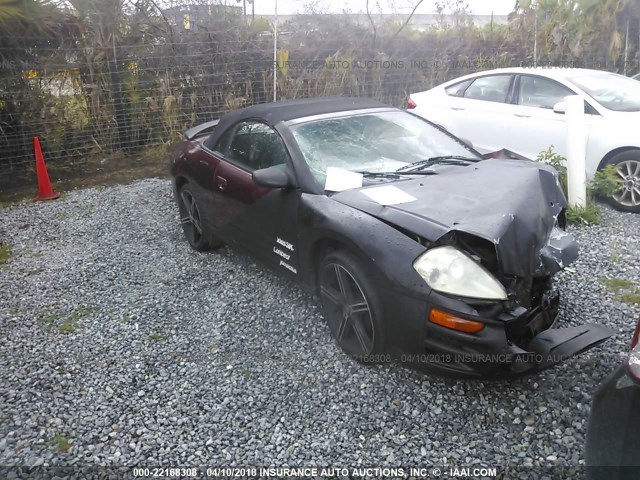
(284,256)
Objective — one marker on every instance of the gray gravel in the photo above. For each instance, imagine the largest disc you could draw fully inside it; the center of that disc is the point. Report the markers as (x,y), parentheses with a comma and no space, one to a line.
(121,346)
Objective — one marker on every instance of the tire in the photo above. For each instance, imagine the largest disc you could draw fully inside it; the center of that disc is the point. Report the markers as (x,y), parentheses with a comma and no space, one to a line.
(627,199)
(192,225)
(352,307)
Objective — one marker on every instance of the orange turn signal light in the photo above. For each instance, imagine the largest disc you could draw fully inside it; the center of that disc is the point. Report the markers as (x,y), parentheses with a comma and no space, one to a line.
(456,323)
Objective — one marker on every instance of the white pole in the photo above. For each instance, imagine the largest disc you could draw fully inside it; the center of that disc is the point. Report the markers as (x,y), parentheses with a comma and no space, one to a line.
(576,150)
(275,54)
(535,40)
(626,49)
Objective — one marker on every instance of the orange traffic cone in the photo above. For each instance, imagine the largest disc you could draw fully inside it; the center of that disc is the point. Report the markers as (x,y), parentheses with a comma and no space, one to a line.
(45,192)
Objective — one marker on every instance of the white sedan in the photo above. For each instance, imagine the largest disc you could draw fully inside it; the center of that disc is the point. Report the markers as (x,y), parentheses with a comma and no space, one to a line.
(522,110)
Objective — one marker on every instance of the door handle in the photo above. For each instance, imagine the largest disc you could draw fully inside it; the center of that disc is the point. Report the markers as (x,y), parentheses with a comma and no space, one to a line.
(522,115)
(457,108)
(221,183)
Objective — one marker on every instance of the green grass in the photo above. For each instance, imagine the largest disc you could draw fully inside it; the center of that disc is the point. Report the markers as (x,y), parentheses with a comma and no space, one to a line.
(626,291)
(81,313)
(34,271)
(61,442)
(68,326)
(589,215)
(126,318)
(630,297)
(48,318)
(10,203)
(158,337)
(66,323)
(615,284)
(5,253)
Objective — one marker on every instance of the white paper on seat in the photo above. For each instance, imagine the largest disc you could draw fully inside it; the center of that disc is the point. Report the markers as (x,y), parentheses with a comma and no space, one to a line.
(388,195)
(339,179)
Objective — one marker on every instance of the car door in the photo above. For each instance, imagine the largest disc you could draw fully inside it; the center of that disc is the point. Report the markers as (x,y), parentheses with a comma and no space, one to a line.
(480,111)
(258,219)
(534,126)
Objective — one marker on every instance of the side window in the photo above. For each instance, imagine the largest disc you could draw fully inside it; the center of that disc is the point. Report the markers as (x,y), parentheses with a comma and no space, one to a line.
(457,89)
(541,92)
(253,145)
(493,88)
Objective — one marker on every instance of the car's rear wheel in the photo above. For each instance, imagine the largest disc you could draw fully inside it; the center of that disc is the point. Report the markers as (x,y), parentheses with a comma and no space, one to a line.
(351,306)
(191,220)
(627,165)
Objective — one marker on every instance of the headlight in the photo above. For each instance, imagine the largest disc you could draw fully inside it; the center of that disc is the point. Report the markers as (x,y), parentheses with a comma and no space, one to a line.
(447,269)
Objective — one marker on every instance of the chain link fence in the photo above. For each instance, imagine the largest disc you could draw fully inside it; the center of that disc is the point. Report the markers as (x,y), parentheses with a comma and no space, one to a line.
(97,86)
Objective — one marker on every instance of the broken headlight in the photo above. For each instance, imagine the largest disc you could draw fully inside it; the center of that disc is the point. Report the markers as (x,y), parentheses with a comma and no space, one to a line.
(448,270)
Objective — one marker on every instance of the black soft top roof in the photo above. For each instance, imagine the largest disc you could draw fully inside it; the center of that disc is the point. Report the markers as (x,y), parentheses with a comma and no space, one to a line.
(291,109)
(275,112)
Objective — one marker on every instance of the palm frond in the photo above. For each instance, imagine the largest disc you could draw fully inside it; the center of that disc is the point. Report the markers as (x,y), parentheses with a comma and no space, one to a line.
(10,10)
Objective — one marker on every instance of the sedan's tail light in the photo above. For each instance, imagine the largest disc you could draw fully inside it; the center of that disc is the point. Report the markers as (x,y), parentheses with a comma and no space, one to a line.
(411,104)
(633,362)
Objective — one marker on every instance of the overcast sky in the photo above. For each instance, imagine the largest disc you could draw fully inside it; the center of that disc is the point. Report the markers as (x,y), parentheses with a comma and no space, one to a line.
(285,7)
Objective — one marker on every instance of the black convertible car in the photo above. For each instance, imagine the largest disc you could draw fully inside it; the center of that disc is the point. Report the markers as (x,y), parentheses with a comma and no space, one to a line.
(420,250)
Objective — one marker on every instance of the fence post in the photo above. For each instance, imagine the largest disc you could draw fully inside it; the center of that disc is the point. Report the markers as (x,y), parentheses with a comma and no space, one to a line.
(275,53)
(576,151)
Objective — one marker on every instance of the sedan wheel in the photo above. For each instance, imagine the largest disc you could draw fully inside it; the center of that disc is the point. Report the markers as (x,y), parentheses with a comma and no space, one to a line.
(350,307)
(191,219)
(627,167)
(629,193)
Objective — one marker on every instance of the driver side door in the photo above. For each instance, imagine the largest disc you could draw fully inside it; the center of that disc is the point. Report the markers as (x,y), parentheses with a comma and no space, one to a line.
(260,220)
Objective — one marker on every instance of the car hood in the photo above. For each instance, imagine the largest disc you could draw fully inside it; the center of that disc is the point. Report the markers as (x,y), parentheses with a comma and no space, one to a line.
(514,204)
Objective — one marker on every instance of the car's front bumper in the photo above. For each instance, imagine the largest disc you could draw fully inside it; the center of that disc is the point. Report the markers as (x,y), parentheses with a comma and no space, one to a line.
(613,437)
(514,342)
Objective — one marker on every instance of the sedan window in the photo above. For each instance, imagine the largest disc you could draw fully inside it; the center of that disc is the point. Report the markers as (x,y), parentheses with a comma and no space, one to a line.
(493,88)
(541,92)
(458,89)
(615,92)
(253,145)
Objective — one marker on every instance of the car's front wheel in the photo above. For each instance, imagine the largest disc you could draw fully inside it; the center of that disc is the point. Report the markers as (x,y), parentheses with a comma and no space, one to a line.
(627,197)
(351,306)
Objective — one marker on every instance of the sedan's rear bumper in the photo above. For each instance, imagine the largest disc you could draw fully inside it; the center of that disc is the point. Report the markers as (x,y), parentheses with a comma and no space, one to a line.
(613,436)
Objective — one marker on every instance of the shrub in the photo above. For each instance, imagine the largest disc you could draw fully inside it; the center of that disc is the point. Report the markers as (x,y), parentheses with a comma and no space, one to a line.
(604,183)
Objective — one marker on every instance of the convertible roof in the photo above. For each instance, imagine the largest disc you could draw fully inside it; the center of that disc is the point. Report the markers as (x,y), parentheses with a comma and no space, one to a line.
(290,109)
(273,113)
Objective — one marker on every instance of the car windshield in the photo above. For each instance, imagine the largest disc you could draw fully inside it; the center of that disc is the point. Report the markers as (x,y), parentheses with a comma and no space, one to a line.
(615,92)
(372,142)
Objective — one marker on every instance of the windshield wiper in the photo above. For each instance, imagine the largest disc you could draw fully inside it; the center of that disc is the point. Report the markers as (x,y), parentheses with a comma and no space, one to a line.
(396,174)
(444,159)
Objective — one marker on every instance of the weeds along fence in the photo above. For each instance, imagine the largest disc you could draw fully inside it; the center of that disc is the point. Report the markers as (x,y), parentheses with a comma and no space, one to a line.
(96,87)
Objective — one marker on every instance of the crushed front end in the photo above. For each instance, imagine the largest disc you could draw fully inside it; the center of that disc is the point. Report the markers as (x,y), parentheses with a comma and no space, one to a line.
(493,237)
(519,334)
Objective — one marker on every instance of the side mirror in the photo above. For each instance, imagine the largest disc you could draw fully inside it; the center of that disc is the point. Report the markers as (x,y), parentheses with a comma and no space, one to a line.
(272,177)
(560,108)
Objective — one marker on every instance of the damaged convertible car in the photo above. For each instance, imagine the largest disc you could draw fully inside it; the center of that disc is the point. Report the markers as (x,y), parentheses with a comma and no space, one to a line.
(420,250)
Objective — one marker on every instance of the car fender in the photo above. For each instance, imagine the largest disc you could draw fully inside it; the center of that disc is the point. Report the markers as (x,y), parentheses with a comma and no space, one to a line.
(323,220)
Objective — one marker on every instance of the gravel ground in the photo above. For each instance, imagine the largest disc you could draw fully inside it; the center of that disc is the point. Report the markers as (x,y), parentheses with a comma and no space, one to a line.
(121,346)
